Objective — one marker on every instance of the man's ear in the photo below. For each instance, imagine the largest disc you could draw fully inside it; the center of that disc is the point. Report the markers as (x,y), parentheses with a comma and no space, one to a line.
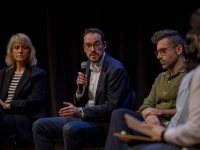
(179,49)
(105,44)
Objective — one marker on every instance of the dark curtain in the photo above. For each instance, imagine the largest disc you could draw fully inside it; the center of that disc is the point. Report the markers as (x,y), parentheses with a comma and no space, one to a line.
(56,30)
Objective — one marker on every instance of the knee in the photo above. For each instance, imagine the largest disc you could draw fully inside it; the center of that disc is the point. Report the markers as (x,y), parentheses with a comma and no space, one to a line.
(71,129)
(68,129)
(38,125)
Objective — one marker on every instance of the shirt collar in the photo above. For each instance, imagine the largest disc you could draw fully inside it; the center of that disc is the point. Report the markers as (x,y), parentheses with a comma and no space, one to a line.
(181,70)
(98,66)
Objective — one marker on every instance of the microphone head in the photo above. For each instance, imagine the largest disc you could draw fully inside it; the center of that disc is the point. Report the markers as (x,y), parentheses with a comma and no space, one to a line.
(83,65)
(83,70)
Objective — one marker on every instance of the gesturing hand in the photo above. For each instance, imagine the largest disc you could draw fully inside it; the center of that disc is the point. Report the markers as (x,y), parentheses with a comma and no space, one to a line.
(68,110)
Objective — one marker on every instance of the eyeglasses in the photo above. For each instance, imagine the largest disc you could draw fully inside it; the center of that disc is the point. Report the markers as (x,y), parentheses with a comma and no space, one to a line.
(162,51)
(95,45)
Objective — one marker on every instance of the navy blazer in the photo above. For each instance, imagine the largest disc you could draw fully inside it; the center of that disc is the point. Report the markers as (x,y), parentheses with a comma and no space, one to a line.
(30,93)
(28,101)
(112,91)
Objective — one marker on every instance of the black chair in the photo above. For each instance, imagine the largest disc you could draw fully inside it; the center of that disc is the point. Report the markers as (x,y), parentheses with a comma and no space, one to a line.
(131,102)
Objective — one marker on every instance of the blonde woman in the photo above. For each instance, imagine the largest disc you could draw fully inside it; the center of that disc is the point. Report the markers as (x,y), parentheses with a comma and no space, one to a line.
(22,89)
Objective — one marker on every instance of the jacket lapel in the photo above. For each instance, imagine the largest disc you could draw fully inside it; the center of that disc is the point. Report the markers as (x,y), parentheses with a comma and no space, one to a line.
(100,85)
(102,79)
(24,79)
(8,77)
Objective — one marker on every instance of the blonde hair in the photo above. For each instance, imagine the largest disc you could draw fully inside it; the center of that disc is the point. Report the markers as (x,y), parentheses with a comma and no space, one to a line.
(25,39)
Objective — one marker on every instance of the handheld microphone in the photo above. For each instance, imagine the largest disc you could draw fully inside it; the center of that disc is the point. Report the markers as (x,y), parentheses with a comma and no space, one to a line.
(83,70)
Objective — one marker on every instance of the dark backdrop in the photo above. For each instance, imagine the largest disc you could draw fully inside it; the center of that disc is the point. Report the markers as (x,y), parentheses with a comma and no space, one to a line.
(56,30)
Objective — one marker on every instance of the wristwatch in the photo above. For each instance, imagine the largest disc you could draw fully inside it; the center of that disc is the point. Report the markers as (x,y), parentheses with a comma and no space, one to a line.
(80,112)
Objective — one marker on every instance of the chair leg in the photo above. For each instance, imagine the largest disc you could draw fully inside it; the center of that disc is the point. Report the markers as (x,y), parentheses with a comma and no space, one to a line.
(14,145)
(13,141)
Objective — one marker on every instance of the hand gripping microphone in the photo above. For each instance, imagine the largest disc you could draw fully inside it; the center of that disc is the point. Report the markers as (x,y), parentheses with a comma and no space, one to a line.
(83,70)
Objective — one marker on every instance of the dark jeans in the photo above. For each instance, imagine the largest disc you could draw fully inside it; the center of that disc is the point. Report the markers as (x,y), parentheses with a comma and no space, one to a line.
(75,133)
(14,124)
(118,124)
(7,126)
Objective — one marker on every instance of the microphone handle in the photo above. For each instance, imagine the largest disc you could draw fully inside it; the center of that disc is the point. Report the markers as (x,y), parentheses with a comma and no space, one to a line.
(83,70)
